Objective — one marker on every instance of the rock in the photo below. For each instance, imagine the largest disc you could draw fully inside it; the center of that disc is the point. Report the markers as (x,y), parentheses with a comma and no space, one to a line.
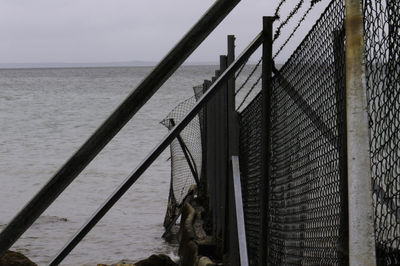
(12,258)
(204,261)
(156,260)
(153,260)
(189,254)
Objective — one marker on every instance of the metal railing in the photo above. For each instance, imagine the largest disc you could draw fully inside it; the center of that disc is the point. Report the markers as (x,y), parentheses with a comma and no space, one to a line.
(130,180)
(128,108)
(174,133)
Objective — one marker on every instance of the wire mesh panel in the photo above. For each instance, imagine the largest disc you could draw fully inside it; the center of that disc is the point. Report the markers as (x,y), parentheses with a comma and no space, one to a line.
(250,167)
(382,45)
(186,156)
(307,220)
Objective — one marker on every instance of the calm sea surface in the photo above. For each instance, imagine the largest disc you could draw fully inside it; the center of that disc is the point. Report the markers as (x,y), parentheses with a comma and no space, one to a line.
(45,116)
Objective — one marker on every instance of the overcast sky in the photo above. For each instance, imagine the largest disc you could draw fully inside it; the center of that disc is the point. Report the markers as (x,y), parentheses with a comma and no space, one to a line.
(82,31)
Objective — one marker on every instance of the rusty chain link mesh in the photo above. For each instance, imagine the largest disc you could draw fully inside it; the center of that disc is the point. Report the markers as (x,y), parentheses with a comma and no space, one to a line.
(382,45)
(307,222)
(307,197)
(182,176)
(307,213)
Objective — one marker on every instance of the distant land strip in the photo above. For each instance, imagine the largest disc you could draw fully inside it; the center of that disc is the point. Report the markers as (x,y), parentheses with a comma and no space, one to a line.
(104,64)
(83,65)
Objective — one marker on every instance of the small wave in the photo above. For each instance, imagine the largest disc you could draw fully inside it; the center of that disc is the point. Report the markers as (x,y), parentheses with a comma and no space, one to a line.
(7,98)
(47,219)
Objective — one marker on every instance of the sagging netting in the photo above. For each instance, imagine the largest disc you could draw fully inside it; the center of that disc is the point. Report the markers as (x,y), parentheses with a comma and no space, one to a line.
(307,197)
(382,50)
(186,156)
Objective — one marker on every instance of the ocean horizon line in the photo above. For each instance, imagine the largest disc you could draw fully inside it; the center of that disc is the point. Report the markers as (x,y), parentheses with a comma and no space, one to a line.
(135,63)
(97,64)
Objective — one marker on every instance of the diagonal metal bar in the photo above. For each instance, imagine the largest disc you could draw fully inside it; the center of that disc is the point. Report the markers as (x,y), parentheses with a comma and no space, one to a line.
(188,156)
(143,92)
(389,202)
(307,109)
(130,180)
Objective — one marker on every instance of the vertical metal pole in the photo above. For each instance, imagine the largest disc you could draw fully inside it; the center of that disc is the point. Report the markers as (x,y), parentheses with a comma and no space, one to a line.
(361,222)
(210,154)
(233,150)
(266,136)
(340,76)
(222,157)
(233,126)
(203,189)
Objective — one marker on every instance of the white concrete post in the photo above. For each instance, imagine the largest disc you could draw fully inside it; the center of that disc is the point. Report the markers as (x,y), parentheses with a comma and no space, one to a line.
(361,222)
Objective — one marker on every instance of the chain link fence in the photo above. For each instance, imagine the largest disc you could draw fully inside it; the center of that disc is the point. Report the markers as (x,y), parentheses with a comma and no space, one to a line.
(307,189)
(250,168)
(382,50)
(307,218)
(307,196)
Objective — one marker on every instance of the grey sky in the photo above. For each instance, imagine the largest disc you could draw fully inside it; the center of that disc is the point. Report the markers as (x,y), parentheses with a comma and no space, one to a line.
(121,30)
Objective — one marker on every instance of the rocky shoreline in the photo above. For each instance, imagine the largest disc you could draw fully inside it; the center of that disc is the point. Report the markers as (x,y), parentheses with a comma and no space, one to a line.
(12,258)
(196,247)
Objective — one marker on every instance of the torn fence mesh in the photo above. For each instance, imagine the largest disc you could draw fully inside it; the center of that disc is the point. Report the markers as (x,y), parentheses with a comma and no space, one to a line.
(186,155)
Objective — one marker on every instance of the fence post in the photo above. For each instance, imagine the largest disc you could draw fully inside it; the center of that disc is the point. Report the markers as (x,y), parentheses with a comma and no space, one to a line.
(266,137)
(340,75)
(233,150)
(210,153)
(233,126)
(203,189)
(361,222)
(221,158)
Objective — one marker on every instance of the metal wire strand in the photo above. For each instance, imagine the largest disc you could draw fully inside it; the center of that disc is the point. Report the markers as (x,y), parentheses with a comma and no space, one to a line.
(306,198)
(279,8)
(248,78)
(284,23)
(294,31)
(248,93)
(241,69)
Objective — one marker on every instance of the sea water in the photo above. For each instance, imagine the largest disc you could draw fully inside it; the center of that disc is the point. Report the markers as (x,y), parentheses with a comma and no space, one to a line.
(45,116)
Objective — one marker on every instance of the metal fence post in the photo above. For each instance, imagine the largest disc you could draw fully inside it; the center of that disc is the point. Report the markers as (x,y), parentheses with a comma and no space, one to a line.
(203,188)
(340,76)
(222,158)
(233,150)
(361,222)
(266,136)
(233,126)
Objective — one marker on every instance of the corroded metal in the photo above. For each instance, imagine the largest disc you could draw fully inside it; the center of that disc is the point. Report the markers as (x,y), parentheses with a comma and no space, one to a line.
(361,227)
(266,154)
